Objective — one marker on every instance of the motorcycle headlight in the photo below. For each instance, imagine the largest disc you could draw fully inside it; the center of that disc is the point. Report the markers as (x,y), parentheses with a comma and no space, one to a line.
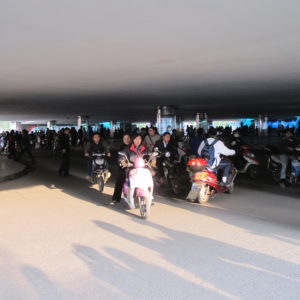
(168,154)
(99,161)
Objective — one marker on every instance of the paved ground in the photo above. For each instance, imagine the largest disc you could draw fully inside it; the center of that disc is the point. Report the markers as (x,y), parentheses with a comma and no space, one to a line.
(60,239)
(9,168)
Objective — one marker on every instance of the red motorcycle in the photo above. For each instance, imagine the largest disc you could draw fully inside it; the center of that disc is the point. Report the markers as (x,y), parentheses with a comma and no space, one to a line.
(205,183)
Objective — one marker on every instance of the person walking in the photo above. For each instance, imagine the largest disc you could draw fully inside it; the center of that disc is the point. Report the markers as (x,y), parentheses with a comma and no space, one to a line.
(121,173)
(65,152)
(26,146)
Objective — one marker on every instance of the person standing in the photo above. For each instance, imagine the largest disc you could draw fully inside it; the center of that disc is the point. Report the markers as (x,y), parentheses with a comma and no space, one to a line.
(26,146)
(121,173)
(11,141)
(65,152)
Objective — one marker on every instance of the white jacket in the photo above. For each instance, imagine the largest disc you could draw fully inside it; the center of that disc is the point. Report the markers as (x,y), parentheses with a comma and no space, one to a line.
(220,149)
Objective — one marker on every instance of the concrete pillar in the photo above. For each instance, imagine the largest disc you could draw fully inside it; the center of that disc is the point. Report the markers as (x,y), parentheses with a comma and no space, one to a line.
(111,129)
(17,126)
(83,121)
(179,124)
(197,120)
(166,118)
(265,125)
(158,119)
(202,121)
(78,122)
(260,125)
(51,124)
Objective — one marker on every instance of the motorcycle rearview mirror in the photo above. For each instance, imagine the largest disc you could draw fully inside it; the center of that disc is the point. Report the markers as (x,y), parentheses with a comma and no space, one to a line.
(155,149)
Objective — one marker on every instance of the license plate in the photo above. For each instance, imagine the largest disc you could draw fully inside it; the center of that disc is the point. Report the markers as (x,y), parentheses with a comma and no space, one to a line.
(196,186)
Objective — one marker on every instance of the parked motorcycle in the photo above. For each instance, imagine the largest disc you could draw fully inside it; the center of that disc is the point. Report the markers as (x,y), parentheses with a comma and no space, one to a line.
(138,187)
(100,173)
(247,162)
(274,165)
(205,182)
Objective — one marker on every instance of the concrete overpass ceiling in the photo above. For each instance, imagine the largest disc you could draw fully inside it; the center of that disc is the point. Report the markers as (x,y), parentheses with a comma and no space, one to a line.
(62,58)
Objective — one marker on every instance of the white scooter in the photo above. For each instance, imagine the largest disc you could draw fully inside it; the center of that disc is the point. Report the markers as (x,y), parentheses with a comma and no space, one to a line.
(138,187)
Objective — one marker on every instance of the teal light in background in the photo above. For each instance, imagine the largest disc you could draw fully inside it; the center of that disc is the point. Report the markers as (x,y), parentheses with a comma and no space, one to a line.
(246,122)
(286,124)
(106,125)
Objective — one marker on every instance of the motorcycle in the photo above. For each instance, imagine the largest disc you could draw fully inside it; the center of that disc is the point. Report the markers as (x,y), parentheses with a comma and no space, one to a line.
(247,162)
(138,187)
(274,165)
(205,183)
(100,173)
(172,171)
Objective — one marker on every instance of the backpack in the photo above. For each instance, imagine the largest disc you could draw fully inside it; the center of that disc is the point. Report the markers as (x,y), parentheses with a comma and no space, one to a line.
(208,152)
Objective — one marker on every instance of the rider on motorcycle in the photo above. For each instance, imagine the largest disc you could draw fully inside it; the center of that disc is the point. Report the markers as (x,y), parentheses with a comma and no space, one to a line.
(164,145)
(287,148)
(211,149)
(97,145)
(236,141)
(136,149)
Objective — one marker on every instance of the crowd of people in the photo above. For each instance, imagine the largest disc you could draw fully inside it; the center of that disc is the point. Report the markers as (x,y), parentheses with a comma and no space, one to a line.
(138,143)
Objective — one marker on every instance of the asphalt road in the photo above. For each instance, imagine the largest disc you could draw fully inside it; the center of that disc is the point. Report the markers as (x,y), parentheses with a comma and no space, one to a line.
(60,239)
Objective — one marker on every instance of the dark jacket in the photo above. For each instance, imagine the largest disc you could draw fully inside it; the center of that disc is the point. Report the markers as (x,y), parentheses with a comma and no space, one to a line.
(25,141)
(169,148)
(64,142)
(236,143)
(102,147)
(285,144)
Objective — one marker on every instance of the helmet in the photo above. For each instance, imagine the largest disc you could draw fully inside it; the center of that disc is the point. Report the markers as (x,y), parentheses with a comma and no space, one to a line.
(139,163)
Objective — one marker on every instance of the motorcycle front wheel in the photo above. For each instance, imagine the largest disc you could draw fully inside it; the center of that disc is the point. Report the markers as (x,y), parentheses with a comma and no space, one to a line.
(276,176)
(254,172)
(174,186)
(145,207)
(204,193)
(100,184)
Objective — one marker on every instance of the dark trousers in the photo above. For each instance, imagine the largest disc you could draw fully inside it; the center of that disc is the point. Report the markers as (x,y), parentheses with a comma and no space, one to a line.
(29,153)
(225,167)
(65,164)
(119,185)
(12,153)
(90,166)
(159,168)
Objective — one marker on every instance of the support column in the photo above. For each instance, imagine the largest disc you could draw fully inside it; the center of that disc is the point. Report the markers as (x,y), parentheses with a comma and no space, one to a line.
(265,125)
(179,124)
(78,122)
(51,124)
(111,129)
(260,125)
(158,119)
(17,126)
(166,118)
(202,121)
(83,121)
(197,120)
